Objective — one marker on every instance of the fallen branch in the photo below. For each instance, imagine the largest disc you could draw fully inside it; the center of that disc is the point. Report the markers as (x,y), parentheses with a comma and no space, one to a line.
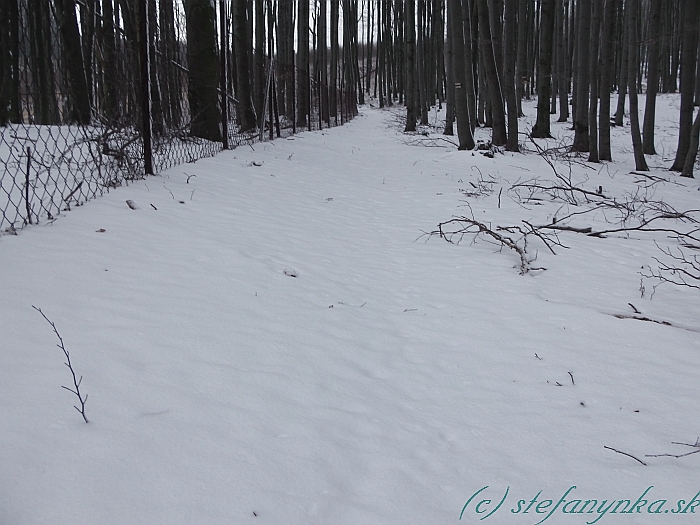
(625,454)
(76,381)
(695,445)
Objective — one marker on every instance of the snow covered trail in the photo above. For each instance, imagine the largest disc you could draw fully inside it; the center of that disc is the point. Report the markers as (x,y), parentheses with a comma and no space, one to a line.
(268,339)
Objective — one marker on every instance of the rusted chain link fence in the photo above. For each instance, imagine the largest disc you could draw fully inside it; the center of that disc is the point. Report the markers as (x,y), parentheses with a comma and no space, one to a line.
(98,93)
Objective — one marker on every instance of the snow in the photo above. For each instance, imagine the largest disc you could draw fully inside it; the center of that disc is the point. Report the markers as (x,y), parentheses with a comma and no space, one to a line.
(275,340)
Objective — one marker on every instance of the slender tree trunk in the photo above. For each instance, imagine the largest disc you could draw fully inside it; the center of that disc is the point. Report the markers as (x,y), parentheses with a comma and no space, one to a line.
(581,134)
(544,69)
(593,107)
(606,66)
(323,59)
(562,56)
(639,160)
(420,62)
(259,62)
(411,89)
(509,73)
(72,51)
(652,76)
(471,57)
(464,130)
(520,60)
(157,119)
(449,73)
(335,16)
(624,69)
(498,135)
(303,54)
(689,49)
(241,48)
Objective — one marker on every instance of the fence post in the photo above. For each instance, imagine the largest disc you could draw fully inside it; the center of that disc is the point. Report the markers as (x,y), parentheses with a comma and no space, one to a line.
(222,66)
(146,92)
(26,186)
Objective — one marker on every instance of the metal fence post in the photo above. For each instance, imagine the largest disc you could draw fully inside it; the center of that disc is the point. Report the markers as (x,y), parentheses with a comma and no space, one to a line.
(146,92)
(223,60)
(26,187)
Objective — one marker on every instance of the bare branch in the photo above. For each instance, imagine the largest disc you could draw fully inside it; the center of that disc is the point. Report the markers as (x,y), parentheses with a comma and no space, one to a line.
(76,381)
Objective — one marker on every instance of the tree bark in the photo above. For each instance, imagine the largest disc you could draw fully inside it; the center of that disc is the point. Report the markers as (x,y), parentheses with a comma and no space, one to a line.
(72,51)
(581,143)
(259,59)
(411,88)
(544,69)
(203,64)
(624,69)
(639,160)
(303,64)
(593,68)
(509,73)
(464,130)
(606,66)
(689,49)
(652,76)
(692,149)
(242,50)
(450,80)
(498,135)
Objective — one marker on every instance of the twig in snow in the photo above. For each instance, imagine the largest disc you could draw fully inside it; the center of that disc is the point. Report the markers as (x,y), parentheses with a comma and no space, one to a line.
(695,445)
(625,454)
(76,381)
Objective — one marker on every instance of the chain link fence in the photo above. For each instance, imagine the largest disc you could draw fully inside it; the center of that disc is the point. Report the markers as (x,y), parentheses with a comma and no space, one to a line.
(97,93)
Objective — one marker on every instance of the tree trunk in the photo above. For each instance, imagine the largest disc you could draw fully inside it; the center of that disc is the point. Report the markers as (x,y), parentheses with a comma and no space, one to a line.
(411,88)
(541,128)
(583,77)
(692,149)
(421,65)
(606,66)
(498,135)
(562,57)
(639,160)
(72,52)
(335,15)
(449,73)
(242,52)
(652,77)
(43,92)
(323,59)
(303,64)
(689,49)
(593,107)
(203,65)
(259,59)
(464,130)
(509,73)
(624,69)
(520,60)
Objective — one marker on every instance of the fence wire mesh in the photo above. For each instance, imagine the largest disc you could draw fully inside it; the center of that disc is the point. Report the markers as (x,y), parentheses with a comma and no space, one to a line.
(92,91)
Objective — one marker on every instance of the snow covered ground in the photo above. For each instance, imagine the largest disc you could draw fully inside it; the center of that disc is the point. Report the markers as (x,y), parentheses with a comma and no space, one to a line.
(269,338)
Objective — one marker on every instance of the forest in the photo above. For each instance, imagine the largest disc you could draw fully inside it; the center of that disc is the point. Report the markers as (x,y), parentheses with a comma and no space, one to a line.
(203,64)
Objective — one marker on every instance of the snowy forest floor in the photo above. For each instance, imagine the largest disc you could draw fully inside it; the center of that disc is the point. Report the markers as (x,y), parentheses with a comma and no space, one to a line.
(271,338)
